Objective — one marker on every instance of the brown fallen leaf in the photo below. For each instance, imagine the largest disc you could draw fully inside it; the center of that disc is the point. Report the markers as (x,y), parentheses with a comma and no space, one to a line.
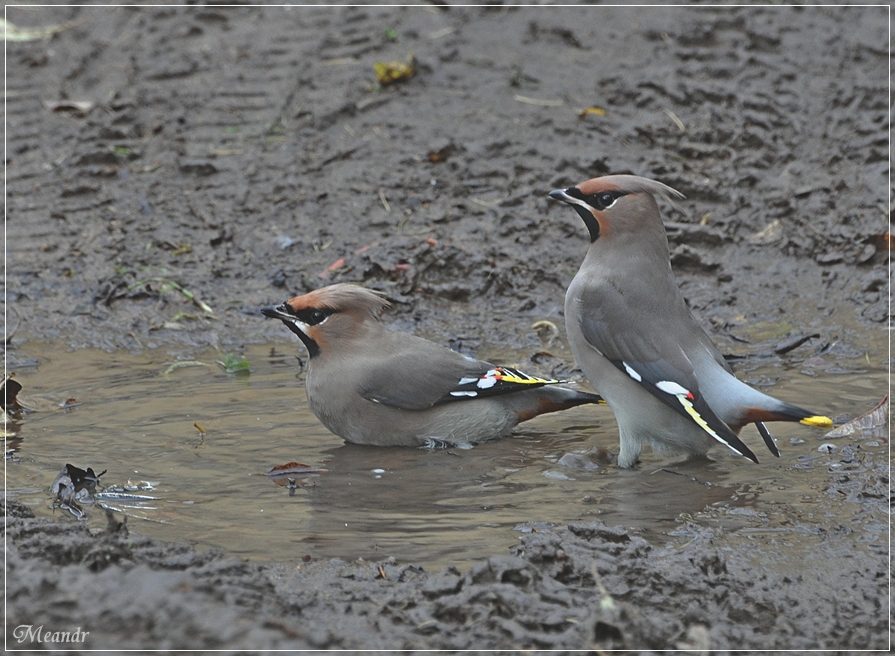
(294,468)
(441,150)
(871,424)
(882,242)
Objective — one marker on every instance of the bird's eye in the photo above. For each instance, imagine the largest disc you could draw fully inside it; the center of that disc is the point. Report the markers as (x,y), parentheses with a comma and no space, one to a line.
(606,200)
(603,200)
(313,316)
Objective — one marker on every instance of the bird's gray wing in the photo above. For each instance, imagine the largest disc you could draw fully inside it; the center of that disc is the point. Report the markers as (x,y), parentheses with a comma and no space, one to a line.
(636,339)
(429,375)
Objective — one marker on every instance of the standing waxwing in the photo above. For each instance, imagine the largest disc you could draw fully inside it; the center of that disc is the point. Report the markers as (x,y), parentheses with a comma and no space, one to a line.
(637,342)
(370,385)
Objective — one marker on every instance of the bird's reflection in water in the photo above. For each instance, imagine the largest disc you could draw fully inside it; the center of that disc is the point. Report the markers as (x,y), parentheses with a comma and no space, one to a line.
(454,505)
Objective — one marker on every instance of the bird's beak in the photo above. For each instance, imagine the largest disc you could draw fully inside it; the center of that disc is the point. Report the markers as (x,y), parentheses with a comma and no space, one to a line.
(585,211)
(278,312)
(292,322)
(560,194)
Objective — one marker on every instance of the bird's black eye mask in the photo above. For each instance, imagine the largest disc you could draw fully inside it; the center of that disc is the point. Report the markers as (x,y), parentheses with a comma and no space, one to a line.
(600,201)
(309,316)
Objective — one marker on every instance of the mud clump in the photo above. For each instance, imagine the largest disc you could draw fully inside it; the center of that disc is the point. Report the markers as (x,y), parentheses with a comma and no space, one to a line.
(586,585)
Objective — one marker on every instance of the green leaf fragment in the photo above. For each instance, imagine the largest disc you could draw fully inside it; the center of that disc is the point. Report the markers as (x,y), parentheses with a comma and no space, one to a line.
(235,364)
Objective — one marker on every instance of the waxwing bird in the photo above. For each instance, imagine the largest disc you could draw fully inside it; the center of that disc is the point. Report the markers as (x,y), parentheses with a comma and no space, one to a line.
(637,342)
(370,385)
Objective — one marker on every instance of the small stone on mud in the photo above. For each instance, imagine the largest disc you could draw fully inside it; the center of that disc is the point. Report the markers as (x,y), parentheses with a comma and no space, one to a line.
(829,258)
(770,234)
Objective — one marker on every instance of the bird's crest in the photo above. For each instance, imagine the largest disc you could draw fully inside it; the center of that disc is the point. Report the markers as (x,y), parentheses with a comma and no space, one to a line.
(630,184)
(340,297)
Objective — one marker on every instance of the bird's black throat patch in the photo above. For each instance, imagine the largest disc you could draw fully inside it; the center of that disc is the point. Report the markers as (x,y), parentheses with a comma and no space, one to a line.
(308,316)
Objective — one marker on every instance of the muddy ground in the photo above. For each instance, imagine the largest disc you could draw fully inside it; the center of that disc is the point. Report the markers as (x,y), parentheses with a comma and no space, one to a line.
(244,155)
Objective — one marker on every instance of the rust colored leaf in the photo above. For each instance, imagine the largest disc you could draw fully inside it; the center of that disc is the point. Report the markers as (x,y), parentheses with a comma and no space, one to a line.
(872,423)
(293,468)
(332,267)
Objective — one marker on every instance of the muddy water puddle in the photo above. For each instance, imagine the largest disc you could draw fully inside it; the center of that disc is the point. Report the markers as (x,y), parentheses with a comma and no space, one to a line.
(444,507)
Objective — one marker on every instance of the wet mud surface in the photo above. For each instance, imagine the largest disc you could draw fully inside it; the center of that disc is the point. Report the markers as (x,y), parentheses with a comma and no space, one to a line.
(228,158)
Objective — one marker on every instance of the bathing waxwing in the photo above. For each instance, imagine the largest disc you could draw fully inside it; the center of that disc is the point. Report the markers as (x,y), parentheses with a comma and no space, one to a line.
(370,385)
(636,341)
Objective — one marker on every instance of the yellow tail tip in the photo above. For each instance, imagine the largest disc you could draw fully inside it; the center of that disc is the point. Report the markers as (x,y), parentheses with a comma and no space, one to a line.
(817,420)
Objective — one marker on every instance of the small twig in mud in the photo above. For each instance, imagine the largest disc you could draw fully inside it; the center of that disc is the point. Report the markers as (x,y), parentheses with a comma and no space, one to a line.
(134,337)
(671,471)
(606,603)
(201,432)
(385,204)
(807,224)
(539,101)
(490,203)
(439,34)
(170,284)
(184,363)
(16,33)
(793,343)
(685,545)
(678,122)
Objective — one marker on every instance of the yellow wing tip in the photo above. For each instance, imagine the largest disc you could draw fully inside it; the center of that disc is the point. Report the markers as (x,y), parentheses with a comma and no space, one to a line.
(817,420)
(527,381)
